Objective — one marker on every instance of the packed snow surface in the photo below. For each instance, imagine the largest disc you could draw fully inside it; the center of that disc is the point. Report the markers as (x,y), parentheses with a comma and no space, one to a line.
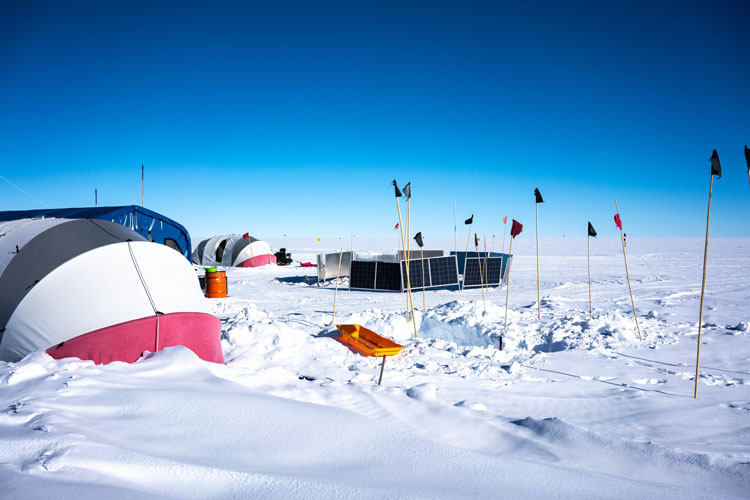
(574,406)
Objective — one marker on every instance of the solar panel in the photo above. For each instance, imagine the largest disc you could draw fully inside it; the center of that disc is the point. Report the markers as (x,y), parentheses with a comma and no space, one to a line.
(492,271)
(462,256)
(388,276)
(362,275)
(444,271)
(415,273)
(438,271)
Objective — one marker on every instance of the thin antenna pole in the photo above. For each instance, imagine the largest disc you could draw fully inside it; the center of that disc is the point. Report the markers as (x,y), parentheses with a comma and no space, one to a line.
(96,198)
(627,275)
(455,244)
(703,288)
(142,185)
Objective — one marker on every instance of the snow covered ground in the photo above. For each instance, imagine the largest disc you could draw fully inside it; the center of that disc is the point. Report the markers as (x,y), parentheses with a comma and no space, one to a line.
(575,406)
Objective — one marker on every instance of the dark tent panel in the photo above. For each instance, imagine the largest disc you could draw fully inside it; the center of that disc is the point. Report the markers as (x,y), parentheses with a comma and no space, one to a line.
(149,224)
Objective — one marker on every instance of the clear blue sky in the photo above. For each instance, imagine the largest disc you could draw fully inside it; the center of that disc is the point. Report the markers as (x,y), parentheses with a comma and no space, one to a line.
(293,117)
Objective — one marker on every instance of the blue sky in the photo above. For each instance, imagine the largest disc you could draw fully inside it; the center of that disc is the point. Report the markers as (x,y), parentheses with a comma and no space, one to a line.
(293,117)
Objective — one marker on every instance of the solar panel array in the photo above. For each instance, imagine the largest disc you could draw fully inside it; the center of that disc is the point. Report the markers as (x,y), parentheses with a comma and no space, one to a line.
(491,272)
(391,276)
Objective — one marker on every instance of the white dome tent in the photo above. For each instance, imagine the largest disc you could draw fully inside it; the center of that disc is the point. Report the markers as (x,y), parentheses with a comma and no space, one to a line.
(97,290)
(233,250)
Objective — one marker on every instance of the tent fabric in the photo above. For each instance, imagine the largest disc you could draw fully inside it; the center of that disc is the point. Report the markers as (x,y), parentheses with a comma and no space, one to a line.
(97,287)
(51,247)
(151,225)
(251,252)
(233,250)
(213,250)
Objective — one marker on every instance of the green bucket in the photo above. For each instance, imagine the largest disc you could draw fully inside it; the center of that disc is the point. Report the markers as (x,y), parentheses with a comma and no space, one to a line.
(211,269)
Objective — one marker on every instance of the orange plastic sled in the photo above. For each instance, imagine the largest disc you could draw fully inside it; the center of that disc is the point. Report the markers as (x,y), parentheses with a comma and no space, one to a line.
(368,342)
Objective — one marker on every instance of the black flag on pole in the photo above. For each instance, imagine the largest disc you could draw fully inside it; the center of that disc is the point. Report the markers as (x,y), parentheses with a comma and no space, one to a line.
(407,190)
(469,220)
(538,196)
(395,186)
(418,239)
(592,231)
(715,165)
(747,157)
(476,242)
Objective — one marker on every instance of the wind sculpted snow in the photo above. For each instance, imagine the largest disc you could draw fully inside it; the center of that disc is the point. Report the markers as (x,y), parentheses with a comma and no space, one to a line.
(575,406)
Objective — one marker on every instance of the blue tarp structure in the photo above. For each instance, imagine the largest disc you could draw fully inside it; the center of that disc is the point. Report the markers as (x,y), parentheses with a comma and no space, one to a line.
(151,225)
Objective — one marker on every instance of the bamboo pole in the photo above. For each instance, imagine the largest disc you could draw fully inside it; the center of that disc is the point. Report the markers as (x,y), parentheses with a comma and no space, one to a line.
(507,288)
(627,275)
(333,316)
(485,265)
(408,281)
(538,293)
(703,288)
(424,294)
(408,244)
(588,244)
(481,281)
(504,232)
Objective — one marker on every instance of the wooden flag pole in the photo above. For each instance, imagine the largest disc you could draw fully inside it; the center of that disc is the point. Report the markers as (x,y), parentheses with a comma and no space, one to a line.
(627,275)
(408,281)
(408,241)
(485,265)
(424,295)
(481,280)
(382,367)
(538,294)
(507,290)
(588,244)
(703,288)
(333,316)
(504,232)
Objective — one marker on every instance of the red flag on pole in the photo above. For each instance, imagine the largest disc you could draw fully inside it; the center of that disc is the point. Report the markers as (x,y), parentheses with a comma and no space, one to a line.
(505,219)
(618,222)
(516,228)
(395,228)
(246,235)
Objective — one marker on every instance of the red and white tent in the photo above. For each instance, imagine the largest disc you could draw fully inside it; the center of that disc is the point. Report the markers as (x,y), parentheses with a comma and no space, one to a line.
(233,250)
(97,290)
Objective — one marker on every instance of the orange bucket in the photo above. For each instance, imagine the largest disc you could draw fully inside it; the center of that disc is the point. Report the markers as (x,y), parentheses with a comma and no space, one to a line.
(216,284)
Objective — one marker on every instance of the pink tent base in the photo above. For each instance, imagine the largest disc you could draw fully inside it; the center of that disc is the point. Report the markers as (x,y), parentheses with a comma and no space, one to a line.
(199,332)
(258,260)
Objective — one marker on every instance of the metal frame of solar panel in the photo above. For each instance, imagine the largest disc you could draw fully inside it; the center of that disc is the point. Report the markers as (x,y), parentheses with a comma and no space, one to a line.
(374,275)
(439,271)
(491,274)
